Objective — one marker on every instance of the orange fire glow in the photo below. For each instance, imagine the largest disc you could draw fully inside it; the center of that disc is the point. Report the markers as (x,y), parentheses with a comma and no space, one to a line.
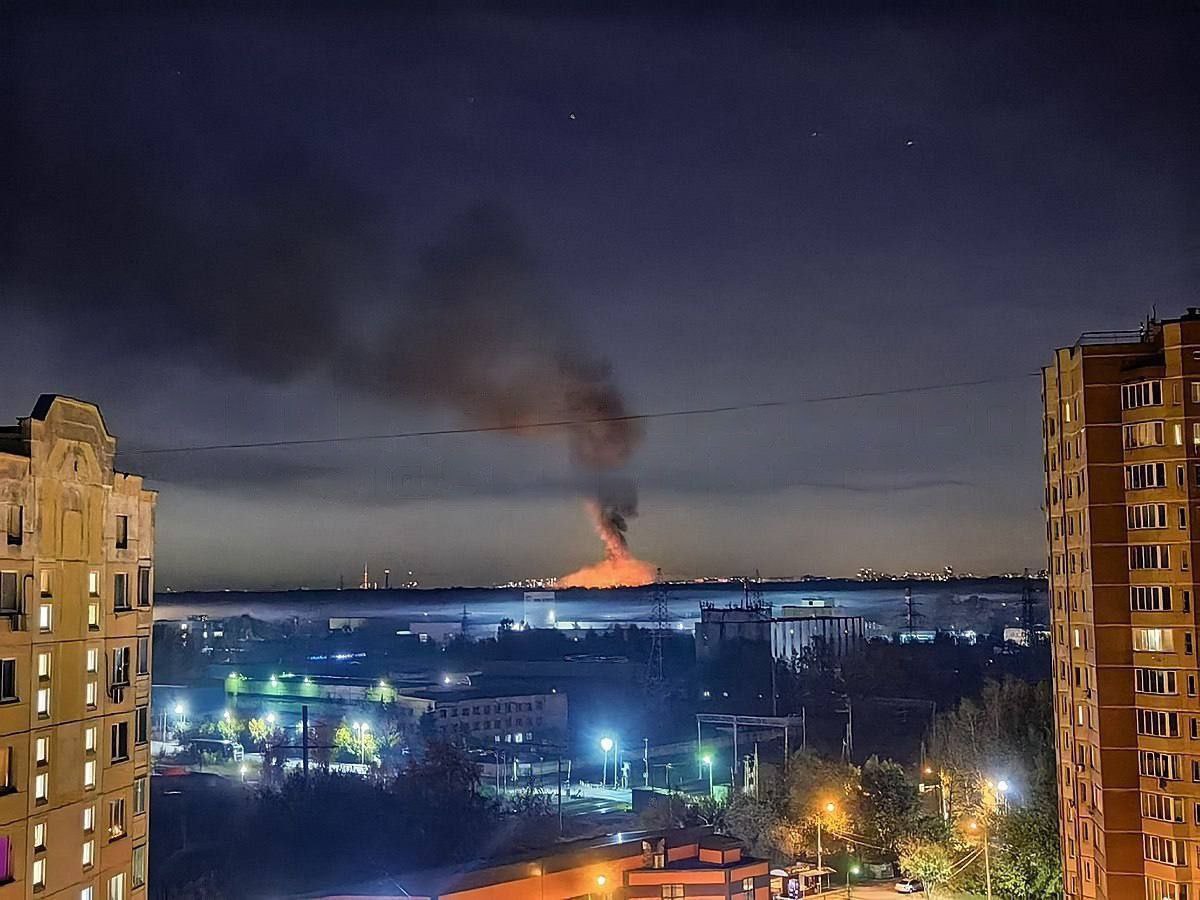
(619,568)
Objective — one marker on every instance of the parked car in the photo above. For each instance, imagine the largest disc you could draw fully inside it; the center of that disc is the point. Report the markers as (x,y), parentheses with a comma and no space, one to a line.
(909,886)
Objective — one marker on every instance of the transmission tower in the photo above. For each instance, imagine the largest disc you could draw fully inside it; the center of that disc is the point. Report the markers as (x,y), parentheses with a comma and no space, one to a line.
(660,614)
(911,615)
(1027,622)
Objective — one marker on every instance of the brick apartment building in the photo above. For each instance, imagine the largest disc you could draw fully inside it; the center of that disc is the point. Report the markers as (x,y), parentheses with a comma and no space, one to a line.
(76,582)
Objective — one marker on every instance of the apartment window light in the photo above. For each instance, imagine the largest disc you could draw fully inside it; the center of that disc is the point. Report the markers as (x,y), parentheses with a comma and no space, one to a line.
(44,666)
(45,617)
(94,583)
(86,893)
(43,702)
(91,695)
(93,659)
(89,774)
(116,887)
(41,751)
(89,854)
(93,616)
(39,837)
(89,740)
(89,819)
(39,874)
(116,818)
(46,586)
(41,787)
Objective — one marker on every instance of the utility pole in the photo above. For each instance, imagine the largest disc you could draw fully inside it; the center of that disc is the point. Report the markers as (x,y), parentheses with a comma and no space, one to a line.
(304,738)
(646,762)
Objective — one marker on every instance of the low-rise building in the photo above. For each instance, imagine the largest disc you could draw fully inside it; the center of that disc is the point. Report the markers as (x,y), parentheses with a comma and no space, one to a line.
(690,862)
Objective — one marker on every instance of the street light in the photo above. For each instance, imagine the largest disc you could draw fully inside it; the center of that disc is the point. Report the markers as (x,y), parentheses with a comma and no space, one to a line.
(852,870)
(999,788)
(606,744)
(271,719)
(829,808)
(708,761)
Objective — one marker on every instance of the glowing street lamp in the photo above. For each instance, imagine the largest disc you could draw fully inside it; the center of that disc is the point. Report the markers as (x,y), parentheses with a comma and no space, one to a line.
(606,744)
(708,761)
(828,809)
(998,789)
(851,870)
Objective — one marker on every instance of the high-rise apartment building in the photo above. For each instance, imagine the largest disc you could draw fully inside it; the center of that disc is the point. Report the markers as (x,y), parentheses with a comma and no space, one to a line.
(76,588)
(1122,464)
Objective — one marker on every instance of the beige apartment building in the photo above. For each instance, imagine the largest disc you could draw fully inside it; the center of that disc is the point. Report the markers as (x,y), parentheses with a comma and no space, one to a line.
(1122,464)
(76,588)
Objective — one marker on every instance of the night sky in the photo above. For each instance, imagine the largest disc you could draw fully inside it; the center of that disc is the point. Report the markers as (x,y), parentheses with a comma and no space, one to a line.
(226,229)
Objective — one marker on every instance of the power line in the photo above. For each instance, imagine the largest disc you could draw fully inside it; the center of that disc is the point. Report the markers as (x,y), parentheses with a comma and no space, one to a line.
(566,423)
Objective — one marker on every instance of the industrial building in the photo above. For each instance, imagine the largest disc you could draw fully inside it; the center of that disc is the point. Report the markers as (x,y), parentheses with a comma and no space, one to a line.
(1122,493)
(76,596)
(811,625)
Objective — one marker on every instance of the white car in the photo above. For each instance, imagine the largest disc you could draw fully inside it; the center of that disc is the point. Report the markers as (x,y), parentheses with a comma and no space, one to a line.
(909,886)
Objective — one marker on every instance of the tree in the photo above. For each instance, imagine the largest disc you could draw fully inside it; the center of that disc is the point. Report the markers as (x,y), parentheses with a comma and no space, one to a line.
(1026,863)
(352,745)
(890,810)
(934,862)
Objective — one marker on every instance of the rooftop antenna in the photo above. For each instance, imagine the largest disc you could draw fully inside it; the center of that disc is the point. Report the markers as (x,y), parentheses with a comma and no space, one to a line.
(660,613)
(752,595)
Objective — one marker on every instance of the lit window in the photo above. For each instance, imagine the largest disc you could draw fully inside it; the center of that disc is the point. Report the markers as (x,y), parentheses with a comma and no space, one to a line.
(89,818)
(42,750)
(43,701)
(89,740)
(45,584)
(39,837)
(93,659)
(116,887)
(41,786)
(91,692)
(43,665)
(93,583)
(44,617)
(116,818)
(39,874)
(89,853)
(93,614)
(139,795)
(86,894)
(89,774)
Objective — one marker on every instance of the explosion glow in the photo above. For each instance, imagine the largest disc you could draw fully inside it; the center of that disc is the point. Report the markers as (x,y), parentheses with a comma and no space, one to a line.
(619,568)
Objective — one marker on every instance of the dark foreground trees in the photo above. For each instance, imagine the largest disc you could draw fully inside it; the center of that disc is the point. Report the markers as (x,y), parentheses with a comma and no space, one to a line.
(335,830)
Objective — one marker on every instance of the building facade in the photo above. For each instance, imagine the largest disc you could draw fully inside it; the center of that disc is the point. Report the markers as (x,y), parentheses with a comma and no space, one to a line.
(681,863)
(76,589)
(1122,493)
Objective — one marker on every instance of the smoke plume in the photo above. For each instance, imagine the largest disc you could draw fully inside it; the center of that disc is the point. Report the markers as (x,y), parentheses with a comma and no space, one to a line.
(615,505)
(256,259)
